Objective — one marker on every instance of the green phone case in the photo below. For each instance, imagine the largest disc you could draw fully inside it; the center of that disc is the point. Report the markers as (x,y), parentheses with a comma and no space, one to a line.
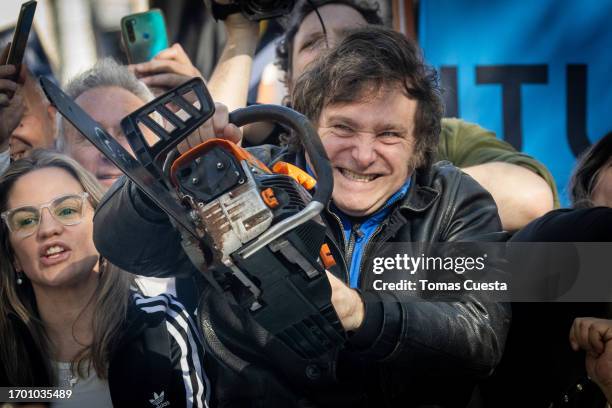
(144,35)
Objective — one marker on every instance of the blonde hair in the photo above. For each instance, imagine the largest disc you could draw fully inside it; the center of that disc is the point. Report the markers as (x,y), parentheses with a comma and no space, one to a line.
(18,312)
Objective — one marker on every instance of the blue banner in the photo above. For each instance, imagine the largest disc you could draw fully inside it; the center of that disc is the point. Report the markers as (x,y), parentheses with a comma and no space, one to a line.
(538,73)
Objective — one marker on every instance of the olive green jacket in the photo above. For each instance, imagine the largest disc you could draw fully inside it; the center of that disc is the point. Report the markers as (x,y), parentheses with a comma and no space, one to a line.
(466,144)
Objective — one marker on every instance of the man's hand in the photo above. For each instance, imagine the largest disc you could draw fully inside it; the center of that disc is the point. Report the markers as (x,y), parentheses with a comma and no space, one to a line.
(12,105)
(348,304)
(593,336)
(168,69)
(229,82)
(217,126)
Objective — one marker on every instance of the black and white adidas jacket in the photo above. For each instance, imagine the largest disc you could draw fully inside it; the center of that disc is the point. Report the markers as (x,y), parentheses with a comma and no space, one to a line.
(159,362)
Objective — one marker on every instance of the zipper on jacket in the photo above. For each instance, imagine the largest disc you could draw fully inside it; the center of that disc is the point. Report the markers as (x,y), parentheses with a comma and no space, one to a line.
(347,272)
(353,236)
(365,250)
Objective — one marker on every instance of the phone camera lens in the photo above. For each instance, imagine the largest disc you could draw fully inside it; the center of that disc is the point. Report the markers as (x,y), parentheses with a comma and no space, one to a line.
(130,30)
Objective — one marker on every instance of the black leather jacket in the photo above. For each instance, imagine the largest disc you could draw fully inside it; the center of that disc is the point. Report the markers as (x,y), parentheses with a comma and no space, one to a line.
(405,354)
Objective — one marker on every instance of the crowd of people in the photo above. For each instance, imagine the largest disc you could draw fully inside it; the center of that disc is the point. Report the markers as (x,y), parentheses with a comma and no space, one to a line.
(106,305)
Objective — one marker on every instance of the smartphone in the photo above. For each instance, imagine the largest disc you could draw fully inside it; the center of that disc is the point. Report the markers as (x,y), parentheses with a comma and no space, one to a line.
(144,35)
(21,34)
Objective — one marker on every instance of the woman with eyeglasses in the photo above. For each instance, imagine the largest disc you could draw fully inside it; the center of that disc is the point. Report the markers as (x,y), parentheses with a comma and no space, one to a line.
(68,318)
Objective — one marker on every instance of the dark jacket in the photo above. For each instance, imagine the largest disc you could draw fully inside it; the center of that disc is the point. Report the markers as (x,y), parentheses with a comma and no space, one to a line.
(161,351)
(149,359)
(538,337)
(405,354)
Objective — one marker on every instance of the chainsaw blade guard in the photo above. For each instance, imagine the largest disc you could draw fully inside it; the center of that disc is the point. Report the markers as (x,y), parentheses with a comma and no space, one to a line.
(155,129)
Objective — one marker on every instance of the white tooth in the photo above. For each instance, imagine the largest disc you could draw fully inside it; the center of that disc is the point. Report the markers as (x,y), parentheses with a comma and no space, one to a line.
(54,250)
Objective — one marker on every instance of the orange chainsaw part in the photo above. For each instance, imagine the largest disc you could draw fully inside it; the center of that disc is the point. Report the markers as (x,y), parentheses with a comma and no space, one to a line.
(299,175)
(269,197)
(195,152)
(326,256)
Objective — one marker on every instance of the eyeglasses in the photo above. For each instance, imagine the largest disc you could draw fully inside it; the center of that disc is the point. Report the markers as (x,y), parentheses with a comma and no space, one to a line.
(24,221)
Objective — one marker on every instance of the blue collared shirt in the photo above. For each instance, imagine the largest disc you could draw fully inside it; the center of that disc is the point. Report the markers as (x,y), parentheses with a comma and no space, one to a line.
(363,232)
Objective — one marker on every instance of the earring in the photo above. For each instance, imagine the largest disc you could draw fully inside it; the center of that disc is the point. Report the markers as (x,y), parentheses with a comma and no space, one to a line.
(19,278)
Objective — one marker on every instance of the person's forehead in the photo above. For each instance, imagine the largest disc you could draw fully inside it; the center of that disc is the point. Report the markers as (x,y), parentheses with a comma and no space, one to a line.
(336,17)
(387,105)
(41,185)
(108,105)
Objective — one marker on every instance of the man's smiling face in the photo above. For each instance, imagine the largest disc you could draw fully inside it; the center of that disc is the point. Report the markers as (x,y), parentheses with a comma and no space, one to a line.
(370,144)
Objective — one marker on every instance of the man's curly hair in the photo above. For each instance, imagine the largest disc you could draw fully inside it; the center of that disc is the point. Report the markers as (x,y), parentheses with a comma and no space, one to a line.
(284,49)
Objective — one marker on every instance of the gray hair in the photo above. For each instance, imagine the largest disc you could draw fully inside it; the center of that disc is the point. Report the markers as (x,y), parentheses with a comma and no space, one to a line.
(105,73)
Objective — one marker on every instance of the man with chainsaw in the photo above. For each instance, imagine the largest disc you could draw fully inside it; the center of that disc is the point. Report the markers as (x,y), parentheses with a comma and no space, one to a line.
(522,188)
(377,109)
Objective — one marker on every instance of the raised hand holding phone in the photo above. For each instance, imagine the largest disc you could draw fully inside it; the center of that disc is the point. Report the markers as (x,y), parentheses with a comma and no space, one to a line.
(168,69)
(159,66)
(12,105)
(144,35)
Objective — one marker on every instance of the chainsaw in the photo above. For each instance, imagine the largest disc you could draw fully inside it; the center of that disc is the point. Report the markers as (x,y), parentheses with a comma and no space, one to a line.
(255,233)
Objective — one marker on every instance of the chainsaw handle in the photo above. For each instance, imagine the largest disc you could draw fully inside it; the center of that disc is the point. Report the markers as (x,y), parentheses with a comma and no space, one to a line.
(305,132)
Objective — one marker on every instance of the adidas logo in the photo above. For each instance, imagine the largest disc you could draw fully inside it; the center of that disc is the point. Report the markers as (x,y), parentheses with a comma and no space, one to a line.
(158,400)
